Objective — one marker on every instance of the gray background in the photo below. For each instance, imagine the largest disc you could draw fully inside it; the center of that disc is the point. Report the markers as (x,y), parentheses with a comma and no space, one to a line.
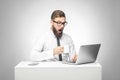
(89,21)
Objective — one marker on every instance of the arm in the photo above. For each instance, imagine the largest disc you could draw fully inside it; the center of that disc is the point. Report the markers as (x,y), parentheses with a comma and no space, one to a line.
(73,55)
(38,52)
(39,56)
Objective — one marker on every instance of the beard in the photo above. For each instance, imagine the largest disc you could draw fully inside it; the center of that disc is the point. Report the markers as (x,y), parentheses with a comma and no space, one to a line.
(56,33)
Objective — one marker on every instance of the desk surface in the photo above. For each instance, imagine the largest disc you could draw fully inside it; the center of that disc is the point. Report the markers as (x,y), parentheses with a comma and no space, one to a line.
(27,64)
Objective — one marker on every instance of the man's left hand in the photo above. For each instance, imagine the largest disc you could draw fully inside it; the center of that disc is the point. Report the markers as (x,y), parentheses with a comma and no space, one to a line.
(74,58)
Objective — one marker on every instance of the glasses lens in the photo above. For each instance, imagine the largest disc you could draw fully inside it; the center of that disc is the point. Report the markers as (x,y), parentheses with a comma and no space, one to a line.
(60,23)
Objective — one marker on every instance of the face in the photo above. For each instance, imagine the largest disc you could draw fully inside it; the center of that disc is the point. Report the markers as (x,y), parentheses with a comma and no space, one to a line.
(58,25)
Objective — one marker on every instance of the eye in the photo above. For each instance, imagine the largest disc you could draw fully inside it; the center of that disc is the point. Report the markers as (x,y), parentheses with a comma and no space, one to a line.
(60,23)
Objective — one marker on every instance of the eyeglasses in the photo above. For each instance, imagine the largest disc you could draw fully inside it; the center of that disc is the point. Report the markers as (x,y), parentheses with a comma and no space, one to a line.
(60,23)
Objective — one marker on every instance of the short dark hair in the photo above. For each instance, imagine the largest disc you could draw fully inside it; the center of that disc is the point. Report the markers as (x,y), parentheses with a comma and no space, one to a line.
(57,13)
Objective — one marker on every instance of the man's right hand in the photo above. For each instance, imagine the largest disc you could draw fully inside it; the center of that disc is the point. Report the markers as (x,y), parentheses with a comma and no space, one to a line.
(58,50)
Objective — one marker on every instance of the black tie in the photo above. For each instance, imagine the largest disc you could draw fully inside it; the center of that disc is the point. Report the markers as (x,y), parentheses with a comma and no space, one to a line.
(58,44)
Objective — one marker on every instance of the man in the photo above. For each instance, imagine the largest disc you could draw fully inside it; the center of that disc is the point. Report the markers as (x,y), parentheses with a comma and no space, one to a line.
(51,45)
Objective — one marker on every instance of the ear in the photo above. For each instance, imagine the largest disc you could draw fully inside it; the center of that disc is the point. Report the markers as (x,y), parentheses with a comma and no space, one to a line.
(51,22)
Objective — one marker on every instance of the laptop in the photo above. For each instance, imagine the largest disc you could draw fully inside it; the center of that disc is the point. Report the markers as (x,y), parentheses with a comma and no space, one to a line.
(87,54)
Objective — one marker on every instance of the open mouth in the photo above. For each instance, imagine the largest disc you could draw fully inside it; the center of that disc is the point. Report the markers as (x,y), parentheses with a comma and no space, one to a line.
(60,31)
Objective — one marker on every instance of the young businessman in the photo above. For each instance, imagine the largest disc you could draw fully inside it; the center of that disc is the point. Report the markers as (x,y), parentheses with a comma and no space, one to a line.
(51,44)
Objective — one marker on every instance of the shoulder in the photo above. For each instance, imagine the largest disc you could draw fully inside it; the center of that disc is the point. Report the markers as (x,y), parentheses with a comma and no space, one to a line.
(42,36)
(66,36)
(45,34)
(67,39)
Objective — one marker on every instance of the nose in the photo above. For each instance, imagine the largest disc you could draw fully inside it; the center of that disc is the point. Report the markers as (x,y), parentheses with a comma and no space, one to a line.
(60,25)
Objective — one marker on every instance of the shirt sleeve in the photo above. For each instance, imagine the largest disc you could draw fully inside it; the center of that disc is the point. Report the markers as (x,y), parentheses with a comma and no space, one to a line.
(38,53)
(72,50)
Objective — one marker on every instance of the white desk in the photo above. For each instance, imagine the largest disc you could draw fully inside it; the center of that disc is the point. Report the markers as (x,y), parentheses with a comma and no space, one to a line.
(57,71)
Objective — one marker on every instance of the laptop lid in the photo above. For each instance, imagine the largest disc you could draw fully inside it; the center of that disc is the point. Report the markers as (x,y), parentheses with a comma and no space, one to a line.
(88,53)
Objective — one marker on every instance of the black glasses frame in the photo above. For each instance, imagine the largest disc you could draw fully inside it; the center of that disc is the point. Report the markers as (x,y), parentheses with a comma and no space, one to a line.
(61,23)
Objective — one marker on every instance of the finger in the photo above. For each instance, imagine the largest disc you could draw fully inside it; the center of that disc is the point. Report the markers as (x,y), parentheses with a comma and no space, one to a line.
(60,48)
(73,58)
(60,51)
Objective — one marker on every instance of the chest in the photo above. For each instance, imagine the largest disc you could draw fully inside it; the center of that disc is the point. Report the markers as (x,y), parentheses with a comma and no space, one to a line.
(51,43)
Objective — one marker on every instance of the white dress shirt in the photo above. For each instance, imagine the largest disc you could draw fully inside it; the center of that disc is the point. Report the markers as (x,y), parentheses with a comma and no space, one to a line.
(43,48)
